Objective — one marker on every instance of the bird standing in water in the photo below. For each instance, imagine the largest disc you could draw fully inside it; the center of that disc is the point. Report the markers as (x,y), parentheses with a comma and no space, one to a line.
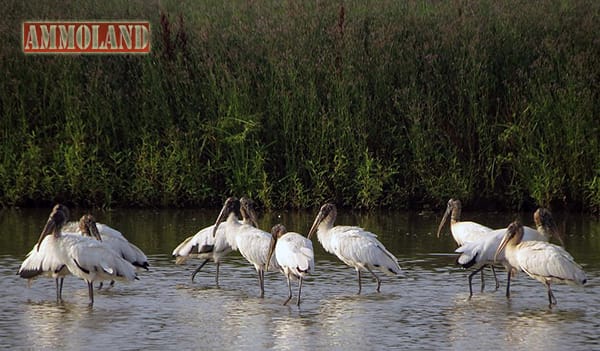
(355,246)
(294,254)
(542,261)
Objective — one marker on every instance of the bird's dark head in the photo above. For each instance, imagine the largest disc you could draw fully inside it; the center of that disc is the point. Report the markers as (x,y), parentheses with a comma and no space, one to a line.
(453,209)
(58,217)
(546,225)
(327,213)
(277,232)
(87,226)
(231,205)
(513,236)
(248,211)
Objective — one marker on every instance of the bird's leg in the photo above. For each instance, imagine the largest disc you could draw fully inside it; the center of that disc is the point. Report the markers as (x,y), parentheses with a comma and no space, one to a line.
(482,280)
(376,277)
(359,283)
(261,281)
(58,287)
(471,281)
(299,290)
(508,284)
(112,283)
(62,279)
(551,298)
(100,285)
(217,277)
(495,277)
(198,269)
(91,293)
(289,283)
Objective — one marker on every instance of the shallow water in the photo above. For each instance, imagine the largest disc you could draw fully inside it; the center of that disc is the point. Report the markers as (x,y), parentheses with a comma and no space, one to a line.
(426,307)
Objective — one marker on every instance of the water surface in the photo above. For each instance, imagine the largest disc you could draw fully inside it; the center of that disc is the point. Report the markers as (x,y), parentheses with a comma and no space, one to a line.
(426,307)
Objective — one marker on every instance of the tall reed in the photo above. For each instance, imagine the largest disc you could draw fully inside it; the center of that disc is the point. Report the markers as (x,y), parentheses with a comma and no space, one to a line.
(378,104)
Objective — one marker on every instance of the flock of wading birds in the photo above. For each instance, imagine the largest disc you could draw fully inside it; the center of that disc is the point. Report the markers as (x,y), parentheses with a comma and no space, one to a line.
(96,252)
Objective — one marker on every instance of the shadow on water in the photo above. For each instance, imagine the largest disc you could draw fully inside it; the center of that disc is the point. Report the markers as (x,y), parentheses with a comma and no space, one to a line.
(425,307)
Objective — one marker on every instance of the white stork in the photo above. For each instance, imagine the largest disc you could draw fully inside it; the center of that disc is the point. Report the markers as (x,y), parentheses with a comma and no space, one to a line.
(294,254)
(355,246)
(544,262)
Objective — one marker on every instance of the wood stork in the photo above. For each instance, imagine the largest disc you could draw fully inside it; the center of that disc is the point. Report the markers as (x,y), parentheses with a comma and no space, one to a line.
(480,253)
(294,254)
(204,246)
(542,261)
(113,238)
(86,258)
(464,232)
(355,246)
(251,242)
(42,260)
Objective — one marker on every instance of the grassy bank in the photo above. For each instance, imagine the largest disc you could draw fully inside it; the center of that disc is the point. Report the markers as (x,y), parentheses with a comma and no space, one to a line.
(368,104)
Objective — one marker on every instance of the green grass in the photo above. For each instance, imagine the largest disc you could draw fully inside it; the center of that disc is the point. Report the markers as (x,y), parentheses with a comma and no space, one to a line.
(376,104)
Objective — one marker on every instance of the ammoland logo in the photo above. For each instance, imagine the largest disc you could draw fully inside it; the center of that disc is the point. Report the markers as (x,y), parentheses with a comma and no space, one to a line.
(86,37)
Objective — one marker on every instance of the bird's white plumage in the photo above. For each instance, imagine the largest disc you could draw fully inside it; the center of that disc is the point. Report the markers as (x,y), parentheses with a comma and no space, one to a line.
(547,263)
(253,244)
(231,228)
(250,241)
(484,251)
(462,231)
(358,248)
(92,260)
(84,257)
(465,232)
(201,245)
(355,246)
(213,243)
(193,245)
(183,251)
(116,241)
(481,251)
(204,246)
(295,255)
(43,262)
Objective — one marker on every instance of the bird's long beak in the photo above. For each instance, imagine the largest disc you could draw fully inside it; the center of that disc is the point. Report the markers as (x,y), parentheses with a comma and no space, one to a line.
(219,219)
(552,229)
(49,228)
(272,245)
(501,247)
(94,231)
(252,217)
(315,225)
(504,242)
(56,220)
(248,212)
(543,218)
(444,219)
(554,232)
